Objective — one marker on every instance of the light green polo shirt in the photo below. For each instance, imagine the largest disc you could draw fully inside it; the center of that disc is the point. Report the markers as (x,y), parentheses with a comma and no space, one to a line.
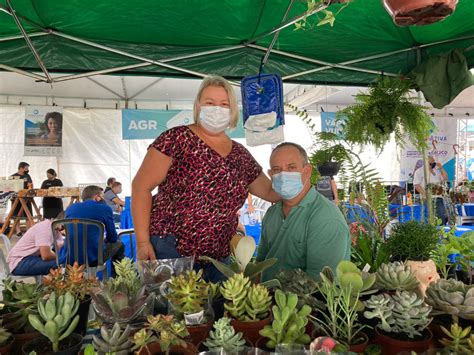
(313,235)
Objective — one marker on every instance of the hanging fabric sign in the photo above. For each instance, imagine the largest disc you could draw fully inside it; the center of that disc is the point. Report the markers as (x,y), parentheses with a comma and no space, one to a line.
(43,131)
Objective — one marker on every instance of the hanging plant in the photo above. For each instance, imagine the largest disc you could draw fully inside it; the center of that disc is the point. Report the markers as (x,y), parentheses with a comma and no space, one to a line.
(387,109)
(328,18)
(419,12)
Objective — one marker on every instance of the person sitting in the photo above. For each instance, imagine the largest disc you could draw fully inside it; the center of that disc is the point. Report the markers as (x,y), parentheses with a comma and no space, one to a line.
(110,182)
(92,207)
(32,254)
(304,230)
(113,201)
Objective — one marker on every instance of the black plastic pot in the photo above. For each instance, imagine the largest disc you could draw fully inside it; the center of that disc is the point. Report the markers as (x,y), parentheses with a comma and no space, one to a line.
(69,346)
(83,312)
(329,168)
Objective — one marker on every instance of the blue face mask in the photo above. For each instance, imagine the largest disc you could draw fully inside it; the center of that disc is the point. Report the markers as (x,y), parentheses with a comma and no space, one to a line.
(287,184)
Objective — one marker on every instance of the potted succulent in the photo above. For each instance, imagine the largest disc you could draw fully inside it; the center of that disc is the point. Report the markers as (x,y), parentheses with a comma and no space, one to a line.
(72,280)
(403,321)
(419,12)
(6,340)
(463,247)
(460,340)
(20,300)
(396,276)
(289,322)
(163,335)
(413,242)
(248,305)
(189,297)
(299,282)
(224,337)
(113,341)
(57,320)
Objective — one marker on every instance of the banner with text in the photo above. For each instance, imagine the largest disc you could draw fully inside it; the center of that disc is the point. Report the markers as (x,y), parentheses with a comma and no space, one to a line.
(442,147)
(43,131)
(329,122)
(149,124)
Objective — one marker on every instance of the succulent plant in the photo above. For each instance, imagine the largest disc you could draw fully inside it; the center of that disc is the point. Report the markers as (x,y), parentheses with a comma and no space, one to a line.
(114,302)
(4,335)
(348,274)
(452,297)
(20,300)
(289,321)
(113,341)
(460,340)
(141,339)
(245,301)
(71,280)
(405,312)
(396,276)
(224,336)
(126,273)
(58,317)
(188,292)
(168,331)
(299,282)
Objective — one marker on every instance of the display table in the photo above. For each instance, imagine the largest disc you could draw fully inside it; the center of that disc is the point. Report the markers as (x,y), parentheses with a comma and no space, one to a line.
(406,213)
(466,209)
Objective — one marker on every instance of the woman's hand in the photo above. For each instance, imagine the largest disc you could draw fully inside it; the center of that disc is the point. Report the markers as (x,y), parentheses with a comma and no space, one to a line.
(145,251)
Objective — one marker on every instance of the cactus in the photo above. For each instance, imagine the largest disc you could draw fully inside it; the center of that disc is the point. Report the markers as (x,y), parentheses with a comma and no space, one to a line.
(405,312)
(188,292)
(289,322)
(245,301)
(461,341)
(224,336)
(4,335)
(20,300)
(114,341)
(396,276)
(57,314)
(127,274)
(451,297)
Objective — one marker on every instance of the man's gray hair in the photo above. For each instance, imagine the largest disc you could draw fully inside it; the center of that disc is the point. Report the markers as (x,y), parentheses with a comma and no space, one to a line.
(90,191)
(301,150)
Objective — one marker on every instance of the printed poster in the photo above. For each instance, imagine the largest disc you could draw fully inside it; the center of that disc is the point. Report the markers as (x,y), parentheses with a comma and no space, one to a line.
(43,131)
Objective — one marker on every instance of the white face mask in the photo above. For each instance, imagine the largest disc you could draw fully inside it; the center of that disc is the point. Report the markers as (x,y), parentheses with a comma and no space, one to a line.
(215,119)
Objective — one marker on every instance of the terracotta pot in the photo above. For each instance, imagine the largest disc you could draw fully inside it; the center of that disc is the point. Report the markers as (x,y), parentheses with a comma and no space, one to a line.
(7,347)
(360,348)
(419,12)
(250,330)
(69,346)
(199,333)
(155,348)
(425,272)
(21,339)
(391,346)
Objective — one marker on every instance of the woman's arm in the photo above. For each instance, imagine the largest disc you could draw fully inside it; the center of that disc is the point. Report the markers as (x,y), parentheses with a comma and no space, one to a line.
(262,187)
(152,172)
(334,191)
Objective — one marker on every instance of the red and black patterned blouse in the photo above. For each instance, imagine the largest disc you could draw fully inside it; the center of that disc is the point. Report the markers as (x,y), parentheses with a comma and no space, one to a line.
(199,199)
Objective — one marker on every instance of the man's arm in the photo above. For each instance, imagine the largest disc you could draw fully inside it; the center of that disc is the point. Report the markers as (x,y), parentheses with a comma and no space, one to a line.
(444,175)
(262,249)
(46,253)
(118,201)
(327,245)
(111,233)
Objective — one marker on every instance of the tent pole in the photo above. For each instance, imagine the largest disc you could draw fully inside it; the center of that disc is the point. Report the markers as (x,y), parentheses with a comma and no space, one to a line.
(29,43)
(145,88)
(22,72)
(12,38)
(281,26)
(107,88)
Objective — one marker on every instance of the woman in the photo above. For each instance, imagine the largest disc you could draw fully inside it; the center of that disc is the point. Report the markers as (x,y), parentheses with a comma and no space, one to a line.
(52,206)
(53,122)
(204,178)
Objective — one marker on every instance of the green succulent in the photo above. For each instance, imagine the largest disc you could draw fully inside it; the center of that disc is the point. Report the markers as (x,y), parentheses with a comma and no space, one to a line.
(20,300)
(396,276)
(113,341)
(224,336)
(460,340)
(299,282)
(257,303)
(451,297)
(168,331)
(349,275)
(126,273)
(289,321)
(4,335)
(188,292)
(57,317)
(405,312)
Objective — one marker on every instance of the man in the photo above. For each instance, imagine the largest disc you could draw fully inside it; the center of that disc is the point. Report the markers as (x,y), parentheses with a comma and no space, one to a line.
(437,175)
(110,182)
(32,254)
(93,207)
(23,174)
(304,230)
(113,201)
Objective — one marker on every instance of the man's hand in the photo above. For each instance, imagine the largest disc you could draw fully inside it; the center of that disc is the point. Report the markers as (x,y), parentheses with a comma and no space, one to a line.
(145,251)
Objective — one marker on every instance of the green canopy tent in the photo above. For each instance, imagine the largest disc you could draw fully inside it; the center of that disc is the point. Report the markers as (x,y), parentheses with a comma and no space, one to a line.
(56,40)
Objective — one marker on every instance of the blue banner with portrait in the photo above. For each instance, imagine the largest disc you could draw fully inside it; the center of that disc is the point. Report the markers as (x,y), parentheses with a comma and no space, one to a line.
(149,124)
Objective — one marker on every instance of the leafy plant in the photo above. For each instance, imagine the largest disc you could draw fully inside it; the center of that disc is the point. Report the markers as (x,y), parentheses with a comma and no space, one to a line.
(396,276)
(443,249)
(72,280)
(464,246)
(168,331)
(113,341)
(386,109)
(245,301)
(4,335)
(412,240)
(367,248)
(329,16)
(57,321)
(405,313)
(224,337)
(460,340)
(289,321)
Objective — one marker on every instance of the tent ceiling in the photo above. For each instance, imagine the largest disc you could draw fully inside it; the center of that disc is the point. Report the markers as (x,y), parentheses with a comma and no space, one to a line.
(174,38)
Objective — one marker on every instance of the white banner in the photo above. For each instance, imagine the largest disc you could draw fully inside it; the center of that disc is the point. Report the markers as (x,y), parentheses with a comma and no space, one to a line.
(442,146)
(43,130)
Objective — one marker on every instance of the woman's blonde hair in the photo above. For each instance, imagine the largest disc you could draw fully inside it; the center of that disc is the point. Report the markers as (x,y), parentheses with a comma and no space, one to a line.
(215,80)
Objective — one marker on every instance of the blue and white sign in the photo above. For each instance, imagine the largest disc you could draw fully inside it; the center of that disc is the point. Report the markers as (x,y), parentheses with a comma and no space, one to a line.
(149,124)
(330,123)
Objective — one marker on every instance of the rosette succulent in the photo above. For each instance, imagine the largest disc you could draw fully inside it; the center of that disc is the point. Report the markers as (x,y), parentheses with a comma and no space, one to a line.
(452,297)
(4,335)
(113,341)
(223,336)
(188,292)
(396,276)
